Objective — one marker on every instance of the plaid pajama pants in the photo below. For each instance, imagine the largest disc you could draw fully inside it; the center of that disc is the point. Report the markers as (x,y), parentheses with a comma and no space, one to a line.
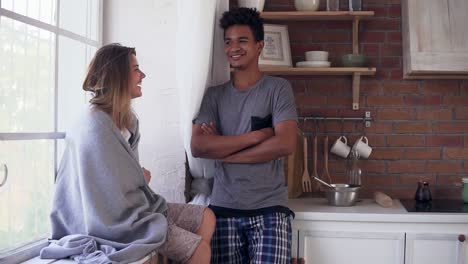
(257,239)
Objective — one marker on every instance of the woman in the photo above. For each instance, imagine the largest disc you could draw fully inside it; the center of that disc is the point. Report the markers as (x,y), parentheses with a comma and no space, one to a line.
(103,209)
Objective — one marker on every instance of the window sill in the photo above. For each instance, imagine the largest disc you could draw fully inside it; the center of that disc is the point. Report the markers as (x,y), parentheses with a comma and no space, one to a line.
(24,253)
(29,254)
(37,260)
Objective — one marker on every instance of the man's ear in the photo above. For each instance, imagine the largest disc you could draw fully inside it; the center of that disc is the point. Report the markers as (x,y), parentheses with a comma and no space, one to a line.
(261,44)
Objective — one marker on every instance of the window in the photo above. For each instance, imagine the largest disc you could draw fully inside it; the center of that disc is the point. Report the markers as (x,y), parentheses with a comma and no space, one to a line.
(45,46)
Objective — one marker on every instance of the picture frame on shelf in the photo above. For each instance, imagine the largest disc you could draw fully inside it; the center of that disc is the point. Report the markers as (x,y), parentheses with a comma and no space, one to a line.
(277,50)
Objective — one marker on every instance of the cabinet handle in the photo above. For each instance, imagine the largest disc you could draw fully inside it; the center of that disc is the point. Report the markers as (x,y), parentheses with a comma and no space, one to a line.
(5,175)
(461,238)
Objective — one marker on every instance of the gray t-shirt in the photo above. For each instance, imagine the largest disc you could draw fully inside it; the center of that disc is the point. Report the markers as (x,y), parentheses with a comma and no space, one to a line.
(248,186)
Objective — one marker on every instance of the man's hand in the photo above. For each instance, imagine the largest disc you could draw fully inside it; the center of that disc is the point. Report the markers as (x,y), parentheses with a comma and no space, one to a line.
(263,134)
(209,129)
(281,144)
(147,175)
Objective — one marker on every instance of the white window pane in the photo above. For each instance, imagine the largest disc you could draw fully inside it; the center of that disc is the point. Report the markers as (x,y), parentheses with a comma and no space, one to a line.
(26,78)
(73,59)
(42,10)
(86,24)
(25,199)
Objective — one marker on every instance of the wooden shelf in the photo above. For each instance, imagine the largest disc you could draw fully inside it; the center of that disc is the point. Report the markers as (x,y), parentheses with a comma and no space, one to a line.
(355,17)
(355,72)
(317,15)
(317,71)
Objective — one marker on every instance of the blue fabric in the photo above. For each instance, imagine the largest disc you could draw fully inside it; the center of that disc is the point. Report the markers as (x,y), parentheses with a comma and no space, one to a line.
(257,239)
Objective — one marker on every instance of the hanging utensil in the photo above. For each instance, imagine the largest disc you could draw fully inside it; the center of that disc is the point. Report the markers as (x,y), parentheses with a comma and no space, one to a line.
(306,183)
(326,173)
(353,171)
(314,163)
(324,183)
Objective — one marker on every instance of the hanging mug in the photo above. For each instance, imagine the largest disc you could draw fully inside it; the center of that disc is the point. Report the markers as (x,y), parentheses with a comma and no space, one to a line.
(340,147)
(362,147)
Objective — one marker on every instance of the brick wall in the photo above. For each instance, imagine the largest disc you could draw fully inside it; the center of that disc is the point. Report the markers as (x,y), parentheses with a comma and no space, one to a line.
(420,128)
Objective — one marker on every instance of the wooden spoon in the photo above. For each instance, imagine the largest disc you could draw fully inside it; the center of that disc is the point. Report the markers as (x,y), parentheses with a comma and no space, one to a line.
(314,163)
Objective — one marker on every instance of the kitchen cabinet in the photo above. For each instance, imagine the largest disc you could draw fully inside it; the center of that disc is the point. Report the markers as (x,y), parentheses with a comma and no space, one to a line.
(355,17)
(330,247)
(435,43)
(429,248)
(368,233)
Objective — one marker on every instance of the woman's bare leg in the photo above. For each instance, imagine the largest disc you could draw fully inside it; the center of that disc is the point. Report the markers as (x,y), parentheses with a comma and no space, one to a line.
(207,226)
(202,253)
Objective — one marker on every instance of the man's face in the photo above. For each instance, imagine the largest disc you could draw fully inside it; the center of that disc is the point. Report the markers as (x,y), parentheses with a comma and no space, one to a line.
(240,47)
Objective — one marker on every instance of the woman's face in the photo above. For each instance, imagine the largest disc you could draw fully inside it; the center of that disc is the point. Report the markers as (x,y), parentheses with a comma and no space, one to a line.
(135,77)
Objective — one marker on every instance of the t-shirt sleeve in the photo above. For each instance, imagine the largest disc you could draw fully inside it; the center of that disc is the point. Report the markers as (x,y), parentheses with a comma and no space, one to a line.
(208,109)
(284,107)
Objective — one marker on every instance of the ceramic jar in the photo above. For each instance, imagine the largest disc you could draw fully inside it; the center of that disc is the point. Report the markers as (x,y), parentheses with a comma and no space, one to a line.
(423,193)
(306,5)
(465,190)
(257,4)
(333,5)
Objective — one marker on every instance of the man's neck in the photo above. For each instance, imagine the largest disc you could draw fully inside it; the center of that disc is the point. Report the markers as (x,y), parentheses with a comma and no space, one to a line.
(244,79)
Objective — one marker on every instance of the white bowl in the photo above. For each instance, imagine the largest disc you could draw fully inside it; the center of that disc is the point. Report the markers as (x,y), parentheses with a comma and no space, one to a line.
(316,55)
(306,5)
(313,64)
(258,4)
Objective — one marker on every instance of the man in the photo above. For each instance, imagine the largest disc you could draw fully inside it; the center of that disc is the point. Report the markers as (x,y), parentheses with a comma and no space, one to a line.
(247,125)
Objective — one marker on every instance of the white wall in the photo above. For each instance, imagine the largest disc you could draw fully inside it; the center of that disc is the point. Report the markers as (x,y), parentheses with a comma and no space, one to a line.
(150,27)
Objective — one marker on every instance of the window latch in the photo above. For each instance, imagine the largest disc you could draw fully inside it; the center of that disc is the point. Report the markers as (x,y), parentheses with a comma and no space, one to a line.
(4,168)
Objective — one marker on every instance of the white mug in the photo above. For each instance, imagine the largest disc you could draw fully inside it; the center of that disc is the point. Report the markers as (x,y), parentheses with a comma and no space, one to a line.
(340,147)
(362,147)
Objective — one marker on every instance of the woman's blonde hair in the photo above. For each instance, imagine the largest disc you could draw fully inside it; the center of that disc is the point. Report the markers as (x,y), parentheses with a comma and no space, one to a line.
(108,80)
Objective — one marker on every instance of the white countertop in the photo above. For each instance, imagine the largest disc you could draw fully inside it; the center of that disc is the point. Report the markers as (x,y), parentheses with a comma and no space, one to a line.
(317,209)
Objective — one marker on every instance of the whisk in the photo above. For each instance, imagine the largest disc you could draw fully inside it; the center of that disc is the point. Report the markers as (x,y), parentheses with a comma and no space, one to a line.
(353,171)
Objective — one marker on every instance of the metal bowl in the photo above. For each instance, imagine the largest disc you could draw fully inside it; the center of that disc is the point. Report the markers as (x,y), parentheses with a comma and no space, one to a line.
(342,194)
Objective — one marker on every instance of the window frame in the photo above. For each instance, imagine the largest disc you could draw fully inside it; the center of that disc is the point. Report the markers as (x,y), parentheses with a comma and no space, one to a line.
(33,248)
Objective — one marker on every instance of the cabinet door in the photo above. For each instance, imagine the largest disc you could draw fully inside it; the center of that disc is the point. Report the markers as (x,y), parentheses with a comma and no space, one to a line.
(435,249)
(434,37)
(331,247)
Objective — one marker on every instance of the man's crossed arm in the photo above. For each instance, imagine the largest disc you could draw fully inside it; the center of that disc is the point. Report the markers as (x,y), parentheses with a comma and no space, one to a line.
(252,147)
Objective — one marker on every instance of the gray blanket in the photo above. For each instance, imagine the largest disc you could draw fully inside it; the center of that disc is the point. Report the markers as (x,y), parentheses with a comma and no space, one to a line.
(103,210)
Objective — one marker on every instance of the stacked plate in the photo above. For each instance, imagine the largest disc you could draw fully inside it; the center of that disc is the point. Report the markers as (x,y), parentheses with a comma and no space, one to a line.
(315,59)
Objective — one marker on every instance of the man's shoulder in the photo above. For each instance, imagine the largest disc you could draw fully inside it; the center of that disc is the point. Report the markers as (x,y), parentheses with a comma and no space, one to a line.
(216,90)
(223,85)
(278,81)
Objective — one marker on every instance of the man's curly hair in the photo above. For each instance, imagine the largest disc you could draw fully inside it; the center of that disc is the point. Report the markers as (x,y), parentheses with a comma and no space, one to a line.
(244,16)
